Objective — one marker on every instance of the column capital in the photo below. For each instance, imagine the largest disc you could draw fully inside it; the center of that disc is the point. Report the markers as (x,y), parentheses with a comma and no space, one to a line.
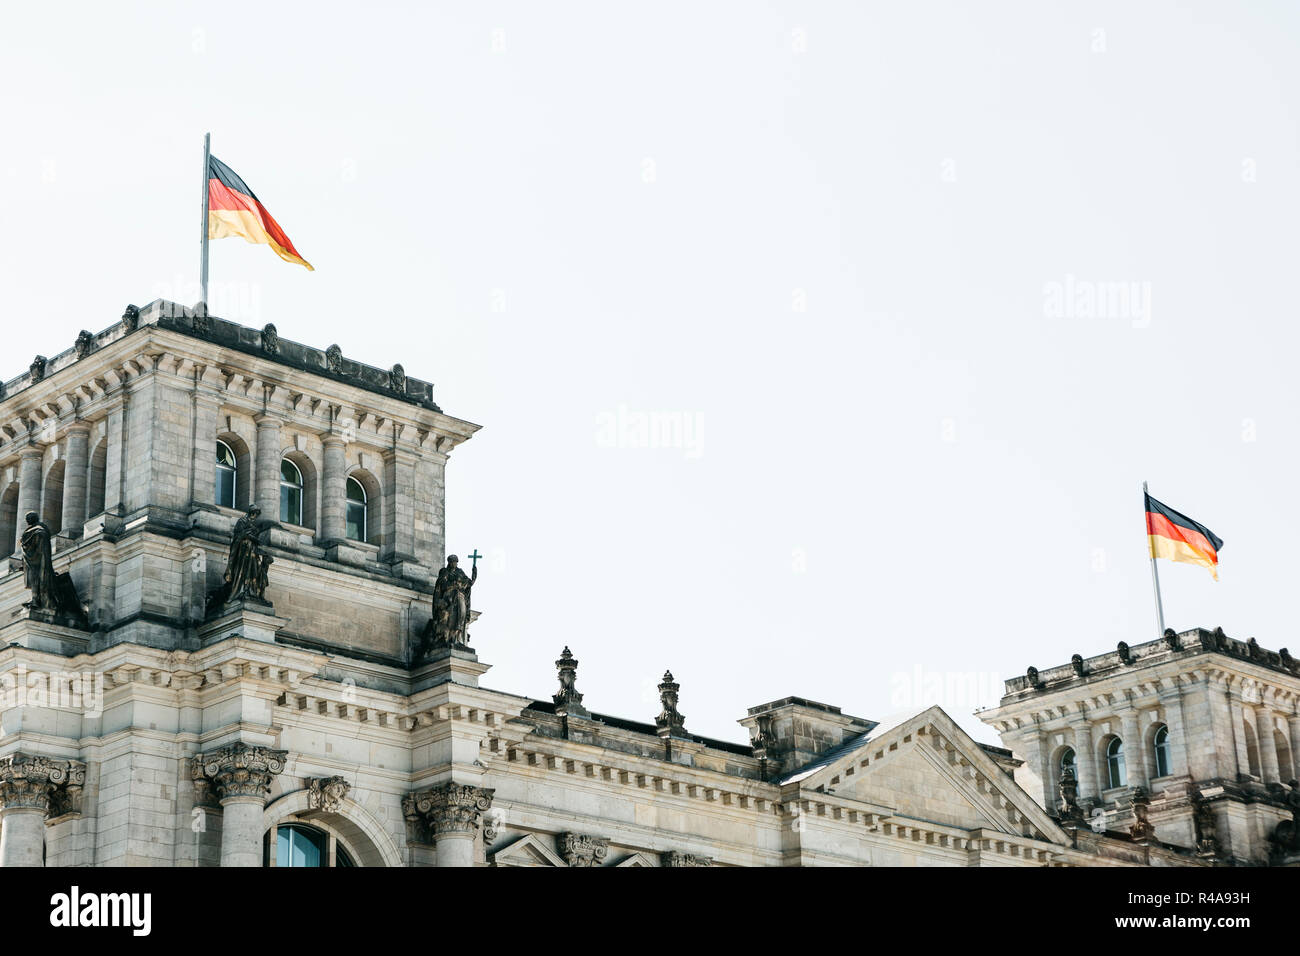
(241,771)
(452,808)
(36,782)
(675,858)
(583,849)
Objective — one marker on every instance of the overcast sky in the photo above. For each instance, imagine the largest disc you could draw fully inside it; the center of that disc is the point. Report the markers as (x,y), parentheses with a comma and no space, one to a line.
(920,291)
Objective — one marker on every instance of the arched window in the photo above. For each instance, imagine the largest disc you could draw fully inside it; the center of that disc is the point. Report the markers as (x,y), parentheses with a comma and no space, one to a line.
(1066,763)
(52,499)
(297,844)
(1252,750)
(8,522)
(1164,763)
(356,516)
(1115,775)
(227,472)
(290,492)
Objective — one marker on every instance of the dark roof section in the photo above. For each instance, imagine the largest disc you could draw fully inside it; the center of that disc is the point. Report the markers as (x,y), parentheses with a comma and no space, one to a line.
(650,730)
(232,335)
(240,338)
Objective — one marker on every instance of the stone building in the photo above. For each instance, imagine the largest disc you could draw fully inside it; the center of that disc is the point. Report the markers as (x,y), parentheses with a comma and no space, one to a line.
(243,648)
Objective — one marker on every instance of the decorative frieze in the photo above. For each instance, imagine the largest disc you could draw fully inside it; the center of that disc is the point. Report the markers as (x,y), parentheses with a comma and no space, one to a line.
(582,849)
(675,858)
(35,782)
(241,770)
(326,793)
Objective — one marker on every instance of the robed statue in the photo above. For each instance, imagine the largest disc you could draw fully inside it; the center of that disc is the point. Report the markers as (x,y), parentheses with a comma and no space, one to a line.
(38,563)
(53,595)
(451,607)
(246,565)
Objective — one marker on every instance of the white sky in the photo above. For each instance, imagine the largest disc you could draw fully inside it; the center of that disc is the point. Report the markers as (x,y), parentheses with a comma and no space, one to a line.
(954,468)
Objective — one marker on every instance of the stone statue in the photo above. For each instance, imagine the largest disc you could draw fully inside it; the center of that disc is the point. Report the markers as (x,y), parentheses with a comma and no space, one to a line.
(1203,819)
(38,562)
(246,565)
(53,595)
(671,722)
(270,339)
(1068,791)
(451,605)
(1141,831)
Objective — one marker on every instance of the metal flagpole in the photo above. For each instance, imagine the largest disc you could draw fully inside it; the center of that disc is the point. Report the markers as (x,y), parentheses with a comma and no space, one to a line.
(203,261)
(1155,577)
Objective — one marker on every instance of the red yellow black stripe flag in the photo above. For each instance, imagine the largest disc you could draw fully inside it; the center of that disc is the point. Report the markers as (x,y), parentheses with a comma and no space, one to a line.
(1177,537)
(233,210)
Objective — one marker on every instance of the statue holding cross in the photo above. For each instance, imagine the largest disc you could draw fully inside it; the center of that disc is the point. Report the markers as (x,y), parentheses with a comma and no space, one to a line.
(451,605)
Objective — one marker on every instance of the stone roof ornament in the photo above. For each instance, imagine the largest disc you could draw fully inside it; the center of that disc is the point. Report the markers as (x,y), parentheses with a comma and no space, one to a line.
(37,369)
(1124,656)
(270,339)
(84,345)
(334,359)
(130,318)
(1171,639)
(1076,661)
(671,722)
(568,700)
(1032,676)
(397,379)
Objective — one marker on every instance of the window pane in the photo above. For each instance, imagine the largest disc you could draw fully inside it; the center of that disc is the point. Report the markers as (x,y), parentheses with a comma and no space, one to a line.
(290,504)
(289,472)
(224,455)
(298,846)
(355,491)
(356,521)
(225,487)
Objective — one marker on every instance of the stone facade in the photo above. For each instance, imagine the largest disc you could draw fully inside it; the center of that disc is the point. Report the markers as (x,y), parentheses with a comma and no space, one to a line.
(1195,735)
(170,732)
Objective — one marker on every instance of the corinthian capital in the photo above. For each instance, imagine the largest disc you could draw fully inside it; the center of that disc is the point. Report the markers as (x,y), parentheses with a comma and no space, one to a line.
(34,782)
(451,807)
(241,770)
(582,849)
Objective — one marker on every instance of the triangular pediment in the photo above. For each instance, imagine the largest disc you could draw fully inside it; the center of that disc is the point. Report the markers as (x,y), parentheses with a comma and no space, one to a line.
(636,859)
(927,768)
(530,850)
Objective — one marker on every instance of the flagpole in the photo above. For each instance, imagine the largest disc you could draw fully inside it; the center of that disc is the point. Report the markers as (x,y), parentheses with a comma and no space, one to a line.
(1155,577)
(203,260)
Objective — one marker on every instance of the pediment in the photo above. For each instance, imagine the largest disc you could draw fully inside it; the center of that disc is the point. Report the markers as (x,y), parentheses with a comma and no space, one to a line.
(636,859)
(530,850)
(927,768)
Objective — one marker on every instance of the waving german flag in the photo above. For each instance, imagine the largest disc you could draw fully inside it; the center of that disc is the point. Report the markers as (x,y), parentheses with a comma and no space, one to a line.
(233,210)
(1178,538)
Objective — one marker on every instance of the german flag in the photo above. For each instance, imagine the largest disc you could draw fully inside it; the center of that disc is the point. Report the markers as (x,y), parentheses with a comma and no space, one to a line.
(1178,538)
(233,210)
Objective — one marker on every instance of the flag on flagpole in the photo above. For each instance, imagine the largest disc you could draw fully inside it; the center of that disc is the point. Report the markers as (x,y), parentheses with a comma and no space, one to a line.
(233,210)
(1176,537)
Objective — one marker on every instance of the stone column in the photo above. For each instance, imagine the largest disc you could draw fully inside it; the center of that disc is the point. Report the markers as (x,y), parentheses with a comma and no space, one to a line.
(1085,760)
(1268,763)
(451,812)
(76,465)
(30,786)
(1235,711)
(29,488)
(266,470)
(1179,752)
(204,462)
(1293,724)
(333,490)
(1135,751)
(241,775)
